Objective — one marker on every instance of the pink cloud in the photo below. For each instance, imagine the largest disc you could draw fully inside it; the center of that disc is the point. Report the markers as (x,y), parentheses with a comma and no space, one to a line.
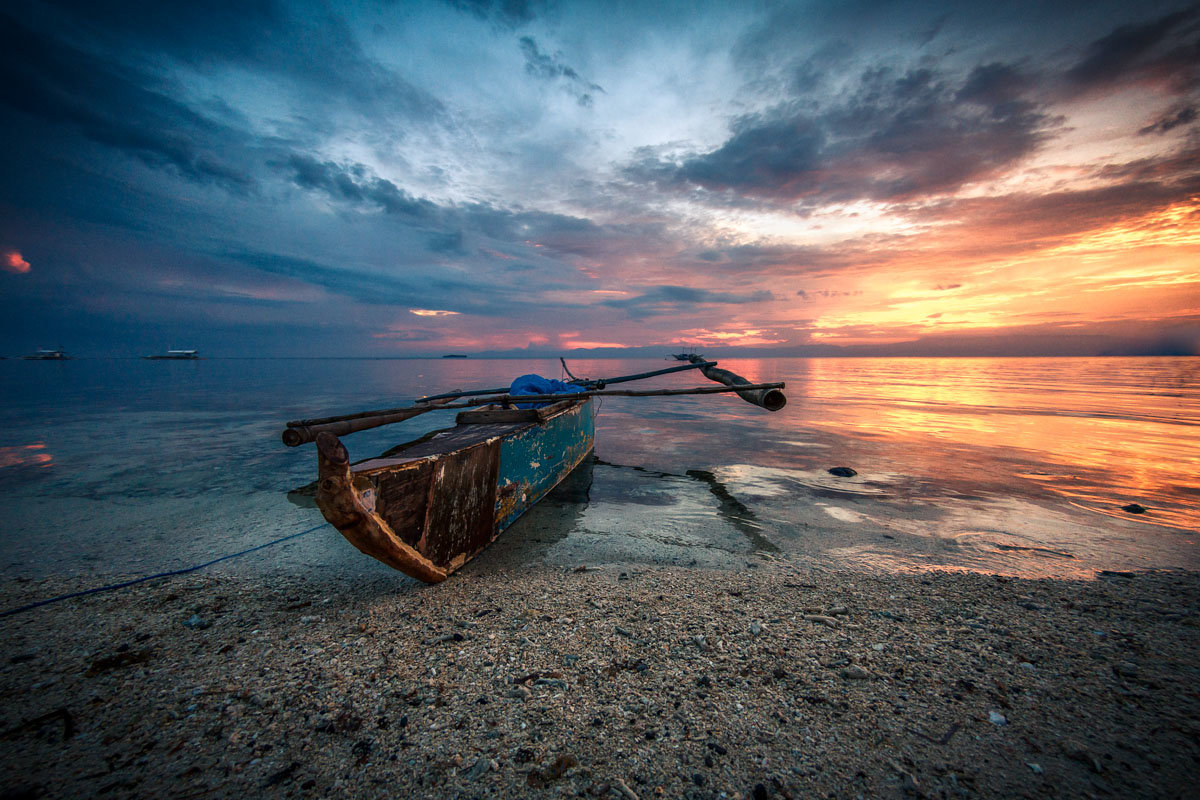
(13,262)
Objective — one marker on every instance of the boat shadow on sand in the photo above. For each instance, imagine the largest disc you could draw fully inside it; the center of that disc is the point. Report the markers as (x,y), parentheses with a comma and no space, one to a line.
(560,513)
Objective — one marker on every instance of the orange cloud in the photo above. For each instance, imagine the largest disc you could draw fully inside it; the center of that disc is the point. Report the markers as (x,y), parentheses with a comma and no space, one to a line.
(14,263)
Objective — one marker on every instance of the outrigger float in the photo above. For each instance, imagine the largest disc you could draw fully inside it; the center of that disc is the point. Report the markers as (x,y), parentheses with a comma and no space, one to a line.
(428,506)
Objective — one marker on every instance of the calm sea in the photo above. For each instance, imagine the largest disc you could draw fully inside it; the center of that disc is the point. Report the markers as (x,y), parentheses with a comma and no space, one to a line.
(1014,466)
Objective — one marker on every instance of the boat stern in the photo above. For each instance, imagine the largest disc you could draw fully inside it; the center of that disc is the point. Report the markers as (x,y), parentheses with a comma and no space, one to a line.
(349,503)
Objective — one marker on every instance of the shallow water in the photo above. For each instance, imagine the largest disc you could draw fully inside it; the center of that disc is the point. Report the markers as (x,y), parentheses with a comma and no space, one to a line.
(1016,466)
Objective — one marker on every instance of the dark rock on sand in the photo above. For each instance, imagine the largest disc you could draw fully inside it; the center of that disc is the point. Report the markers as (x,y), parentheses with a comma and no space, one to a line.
(842,472)
(1134,508)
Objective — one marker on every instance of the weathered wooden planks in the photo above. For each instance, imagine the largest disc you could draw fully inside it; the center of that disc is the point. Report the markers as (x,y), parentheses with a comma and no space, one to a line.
(428,507)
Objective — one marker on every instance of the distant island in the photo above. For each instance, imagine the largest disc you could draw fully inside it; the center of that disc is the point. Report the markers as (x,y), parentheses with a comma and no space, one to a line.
(456,355)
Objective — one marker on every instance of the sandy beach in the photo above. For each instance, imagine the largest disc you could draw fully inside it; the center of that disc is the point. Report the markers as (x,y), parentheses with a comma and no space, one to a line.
(781,680)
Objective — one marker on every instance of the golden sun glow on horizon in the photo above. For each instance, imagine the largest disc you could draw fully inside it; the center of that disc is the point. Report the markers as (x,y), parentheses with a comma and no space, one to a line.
(1143,269)
(582,344)
(750,337)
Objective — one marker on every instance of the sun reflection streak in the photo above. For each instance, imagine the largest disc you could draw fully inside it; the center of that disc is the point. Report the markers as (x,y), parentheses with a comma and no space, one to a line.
(1078,431)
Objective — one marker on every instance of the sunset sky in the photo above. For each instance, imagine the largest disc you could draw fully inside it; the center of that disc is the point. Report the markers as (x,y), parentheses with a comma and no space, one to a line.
(402,178)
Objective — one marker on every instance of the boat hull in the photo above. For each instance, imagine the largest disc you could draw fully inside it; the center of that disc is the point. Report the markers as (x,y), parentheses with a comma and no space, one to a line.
(429,506)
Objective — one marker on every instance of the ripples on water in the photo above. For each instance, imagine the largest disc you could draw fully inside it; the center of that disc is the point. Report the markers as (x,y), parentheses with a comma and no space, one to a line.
(1019,466)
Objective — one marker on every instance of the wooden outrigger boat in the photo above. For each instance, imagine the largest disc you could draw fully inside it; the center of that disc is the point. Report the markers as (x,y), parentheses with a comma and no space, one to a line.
(428,506)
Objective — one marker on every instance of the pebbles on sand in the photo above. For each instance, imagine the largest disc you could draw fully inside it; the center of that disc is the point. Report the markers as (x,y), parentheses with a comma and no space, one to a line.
(781,681)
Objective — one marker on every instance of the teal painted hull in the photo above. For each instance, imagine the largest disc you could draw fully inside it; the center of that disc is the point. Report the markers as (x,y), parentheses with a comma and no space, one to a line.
(533,461)
(429,506)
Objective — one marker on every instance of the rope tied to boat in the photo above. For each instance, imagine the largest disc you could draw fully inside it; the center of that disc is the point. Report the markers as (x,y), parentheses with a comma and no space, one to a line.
(170,573)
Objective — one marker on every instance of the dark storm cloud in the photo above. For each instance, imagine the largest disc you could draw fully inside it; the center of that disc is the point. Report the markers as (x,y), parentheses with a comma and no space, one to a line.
(411,335)
(109,86)
(995,85)
(382,287)
(971,228)
(550,234)
(769,261)
(356,184)
(449,227)
(122,107)
(417,283)
(447,242)
(910,134)
(512,12)
(1166,50)
(1174,118)
(364,287)
(776,153)
(1170,178)
(674,299)
(1028,223)
(189,29)
(551,67)
(898,136)
(308,45)
(929,34)
(808,294)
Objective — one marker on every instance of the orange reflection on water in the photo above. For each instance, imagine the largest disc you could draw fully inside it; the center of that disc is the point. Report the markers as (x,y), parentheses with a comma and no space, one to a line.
(25,455)
(1102,432)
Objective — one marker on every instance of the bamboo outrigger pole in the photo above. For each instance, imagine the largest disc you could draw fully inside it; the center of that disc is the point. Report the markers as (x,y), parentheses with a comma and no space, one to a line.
(302,431)
(438,400)
(295,434)
(598,383)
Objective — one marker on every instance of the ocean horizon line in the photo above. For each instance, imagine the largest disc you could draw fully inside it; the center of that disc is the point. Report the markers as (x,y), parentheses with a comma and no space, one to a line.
(618,356)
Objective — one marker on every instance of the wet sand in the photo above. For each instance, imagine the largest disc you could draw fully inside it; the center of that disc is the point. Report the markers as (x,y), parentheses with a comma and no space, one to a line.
(781,679)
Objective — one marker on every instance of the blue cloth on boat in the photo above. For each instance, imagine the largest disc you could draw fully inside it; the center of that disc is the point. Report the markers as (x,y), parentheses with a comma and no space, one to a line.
(536,384)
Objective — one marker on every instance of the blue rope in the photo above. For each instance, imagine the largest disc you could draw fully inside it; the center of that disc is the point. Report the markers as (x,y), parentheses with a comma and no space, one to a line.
(155,576)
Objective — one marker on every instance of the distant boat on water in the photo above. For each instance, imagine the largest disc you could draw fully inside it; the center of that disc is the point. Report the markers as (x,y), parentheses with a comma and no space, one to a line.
(684,356)
(56,354)
(175,355)
(456,355)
